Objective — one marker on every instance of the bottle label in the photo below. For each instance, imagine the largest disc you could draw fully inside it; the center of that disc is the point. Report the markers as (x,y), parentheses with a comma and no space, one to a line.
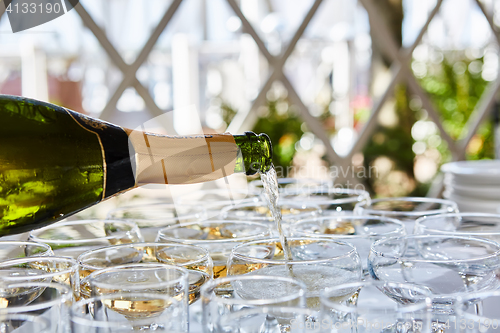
(162,159)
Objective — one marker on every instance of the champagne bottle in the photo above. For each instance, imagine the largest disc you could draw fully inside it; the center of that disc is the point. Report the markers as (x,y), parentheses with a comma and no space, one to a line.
(55,162)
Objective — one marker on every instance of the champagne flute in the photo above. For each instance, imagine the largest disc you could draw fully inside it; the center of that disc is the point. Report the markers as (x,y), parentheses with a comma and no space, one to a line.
(19,249)
(194,258)
(478,225)
(317,262)
(360,231)
(406,209)
(449,266)
(231,295)
(150,218)
(371,306)
(60,270)
(51,305)
(125,312)
(72,238)
(217,237)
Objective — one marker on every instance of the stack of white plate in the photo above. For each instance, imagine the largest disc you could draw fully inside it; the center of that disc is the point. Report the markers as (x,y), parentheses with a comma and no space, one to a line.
(473,185)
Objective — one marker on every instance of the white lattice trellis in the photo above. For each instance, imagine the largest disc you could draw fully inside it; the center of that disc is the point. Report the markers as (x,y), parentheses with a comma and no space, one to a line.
(401,72)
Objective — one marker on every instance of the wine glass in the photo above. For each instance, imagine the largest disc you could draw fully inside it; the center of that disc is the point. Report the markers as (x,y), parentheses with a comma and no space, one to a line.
(478,225)
(149,278)
(317,262)
(406,209)
(468,318)
(331,200)
(194,258)
(375,306)
(217,237)
(231,295)
(360,231)
(129,312)
(216,199)
(259,212)
(72,238)
(150,218)
(52,304)
(448,265)
(60,270)
(20,249)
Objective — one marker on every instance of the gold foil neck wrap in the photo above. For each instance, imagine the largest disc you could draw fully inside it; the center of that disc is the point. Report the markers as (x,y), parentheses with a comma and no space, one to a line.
(182,160)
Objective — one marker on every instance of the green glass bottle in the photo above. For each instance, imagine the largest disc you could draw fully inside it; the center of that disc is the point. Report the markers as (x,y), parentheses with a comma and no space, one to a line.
(55,162)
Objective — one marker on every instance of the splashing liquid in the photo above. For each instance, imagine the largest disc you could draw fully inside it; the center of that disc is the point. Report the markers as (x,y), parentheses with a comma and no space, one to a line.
(271,191)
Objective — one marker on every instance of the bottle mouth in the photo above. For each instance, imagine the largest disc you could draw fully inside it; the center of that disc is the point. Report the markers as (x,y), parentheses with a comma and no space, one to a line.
(268,141)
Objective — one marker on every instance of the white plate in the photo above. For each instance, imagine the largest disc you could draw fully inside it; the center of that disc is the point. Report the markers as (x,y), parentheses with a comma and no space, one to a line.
(468,208)
(485,172)
(474,191)
(469,204)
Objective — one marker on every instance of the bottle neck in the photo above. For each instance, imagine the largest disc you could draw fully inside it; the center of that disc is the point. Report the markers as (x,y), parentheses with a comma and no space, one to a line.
(161,159)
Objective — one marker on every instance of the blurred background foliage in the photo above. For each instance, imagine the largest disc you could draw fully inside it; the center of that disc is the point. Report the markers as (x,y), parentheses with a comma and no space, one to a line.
(280,122)
(407,153)
(455,85)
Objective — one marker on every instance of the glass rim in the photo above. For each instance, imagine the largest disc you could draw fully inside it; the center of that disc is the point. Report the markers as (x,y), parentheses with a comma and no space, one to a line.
(35,233)
(371,211)
(51,260)
(261,203)
(183,278)
(257,184)
(184,199)
(48,252)
(267,232)
(206,254)
(201,210)
(424,305)
(64,296)
(355,193)
(39,320)
(272,309)
(420,222)
(75,313)
(352,251)
(206,291)
(342,201)
(408,237)
(401,226)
